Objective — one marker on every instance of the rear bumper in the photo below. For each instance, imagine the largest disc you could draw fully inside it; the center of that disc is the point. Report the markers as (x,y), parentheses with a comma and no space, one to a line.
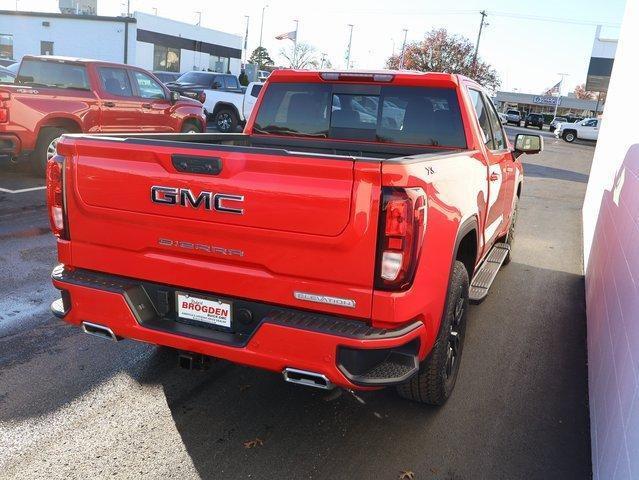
(348,352)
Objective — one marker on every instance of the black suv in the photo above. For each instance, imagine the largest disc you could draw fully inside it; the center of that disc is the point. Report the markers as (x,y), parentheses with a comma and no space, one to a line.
(535,119)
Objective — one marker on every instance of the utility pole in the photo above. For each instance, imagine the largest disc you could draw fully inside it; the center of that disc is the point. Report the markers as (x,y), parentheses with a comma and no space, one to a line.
(262,24)
(155,11)
(348,50)
(401,58)
(561,82)
(199,18)
(246,39)
(393,40)
(481,27)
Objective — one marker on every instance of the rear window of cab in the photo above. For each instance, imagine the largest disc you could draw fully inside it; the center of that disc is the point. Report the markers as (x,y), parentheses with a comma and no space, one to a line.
(402,115)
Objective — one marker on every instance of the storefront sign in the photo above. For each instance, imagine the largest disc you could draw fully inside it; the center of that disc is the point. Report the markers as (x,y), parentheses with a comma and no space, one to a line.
(547,101)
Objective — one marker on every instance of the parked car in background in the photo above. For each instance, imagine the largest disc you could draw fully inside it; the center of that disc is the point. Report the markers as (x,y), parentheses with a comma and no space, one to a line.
(556,121)
(513,116)
(535,120)
(5,62)
(6,75)
(221,94)
(166,77)
(503,118)
(587,129)
(332,246)
(262,75)
(13,68)
(56,95)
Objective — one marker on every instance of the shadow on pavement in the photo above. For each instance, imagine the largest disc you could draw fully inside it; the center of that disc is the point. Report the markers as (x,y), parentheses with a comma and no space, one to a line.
(542,171)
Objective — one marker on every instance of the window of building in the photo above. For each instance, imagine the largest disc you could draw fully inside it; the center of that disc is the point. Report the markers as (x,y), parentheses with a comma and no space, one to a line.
(6,46)
(166,59)
(219,64)
(116,81)
(46,48)
(148,87)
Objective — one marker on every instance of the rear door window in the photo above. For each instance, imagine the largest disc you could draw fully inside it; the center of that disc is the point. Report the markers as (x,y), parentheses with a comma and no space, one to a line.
(231,83)
(115,81)
(53,73)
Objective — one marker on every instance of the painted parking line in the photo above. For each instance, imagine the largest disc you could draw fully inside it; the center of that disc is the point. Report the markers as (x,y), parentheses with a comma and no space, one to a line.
(22,190)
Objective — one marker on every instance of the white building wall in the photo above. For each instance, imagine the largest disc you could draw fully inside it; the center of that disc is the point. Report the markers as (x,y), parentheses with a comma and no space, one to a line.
(611,256)
(101,40)
(189,60)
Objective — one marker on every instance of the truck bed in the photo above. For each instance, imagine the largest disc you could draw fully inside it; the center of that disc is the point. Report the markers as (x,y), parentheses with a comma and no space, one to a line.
(280,145)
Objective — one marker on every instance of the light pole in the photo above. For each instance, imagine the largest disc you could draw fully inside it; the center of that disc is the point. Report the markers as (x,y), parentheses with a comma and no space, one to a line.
(401,58)
(348,51)
(262,25)
(481,27)
(199,18)
(155,11)
(246,38)
(297,26)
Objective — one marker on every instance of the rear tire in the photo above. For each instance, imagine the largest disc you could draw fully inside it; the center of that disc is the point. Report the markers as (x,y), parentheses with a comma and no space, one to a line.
(510,236)
(437,375)
(226,120)
(45,148)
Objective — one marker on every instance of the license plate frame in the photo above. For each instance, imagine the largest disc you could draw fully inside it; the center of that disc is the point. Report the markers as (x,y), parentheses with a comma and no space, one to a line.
(218,314)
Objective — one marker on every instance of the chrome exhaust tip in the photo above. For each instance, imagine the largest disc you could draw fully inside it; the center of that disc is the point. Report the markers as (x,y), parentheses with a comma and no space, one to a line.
(99,331)
(309,379)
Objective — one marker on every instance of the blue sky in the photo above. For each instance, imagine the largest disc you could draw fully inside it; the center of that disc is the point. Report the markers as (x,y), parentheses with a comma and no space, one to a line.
(528,54)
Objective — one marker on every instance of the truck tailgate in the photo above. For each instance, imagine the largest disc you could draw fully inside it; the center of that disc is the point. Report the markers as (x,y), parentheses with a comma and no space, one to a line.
(307,223)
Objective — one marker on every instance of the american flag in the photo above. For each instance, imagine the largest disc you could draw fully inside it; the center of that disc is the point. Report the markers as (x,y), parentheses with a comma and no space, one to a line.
(290,36)
(554,89)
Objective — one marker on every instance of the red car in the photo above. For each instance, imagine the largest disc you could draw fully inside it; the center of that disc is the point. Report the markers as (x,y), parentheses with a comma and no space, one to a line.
(338,240)
(56,95)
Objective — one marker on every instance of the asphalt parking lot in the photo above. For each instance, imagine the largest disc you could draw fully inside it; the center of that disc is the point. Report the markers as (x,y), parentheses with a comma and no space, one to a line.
(74,406)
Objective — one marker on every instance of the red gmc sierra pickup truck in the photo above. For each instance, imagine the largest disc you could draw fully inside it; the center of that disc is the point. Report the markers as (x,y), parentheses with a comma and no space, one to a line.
(56,95)
(338,240)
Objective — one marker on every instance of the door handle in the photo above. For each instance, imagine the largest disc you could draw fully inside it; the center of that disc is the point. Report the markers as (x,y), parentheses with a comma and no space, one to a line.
(109,104)
(146,105)
(493,177)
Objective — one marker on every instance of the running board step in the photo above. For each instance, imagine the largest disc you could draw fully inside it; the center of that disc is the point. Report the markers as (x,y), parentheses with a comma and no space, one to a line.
(483,279)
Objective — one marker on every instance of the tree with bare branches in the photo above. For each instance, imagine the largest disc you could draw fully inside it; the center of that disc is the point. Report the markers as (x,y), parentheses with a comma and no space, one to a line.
(441,51)
(300,56)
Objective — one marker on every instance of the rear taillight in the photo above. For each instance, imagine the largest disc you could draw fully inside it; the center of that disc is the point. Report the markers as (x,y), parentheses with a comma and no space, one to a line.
(55,196)
(401,232)
(201,97)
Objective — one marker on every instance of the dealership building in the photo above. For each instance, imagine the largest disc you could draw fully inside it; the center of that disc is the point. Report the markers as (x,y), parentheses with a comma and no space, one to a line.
(144,40)
(531,103)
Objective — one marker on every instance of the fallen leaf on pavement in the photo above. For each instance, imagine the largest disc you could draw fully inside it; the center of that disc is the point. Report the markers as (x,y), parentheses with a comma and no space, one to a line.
(253,443)
(406,475)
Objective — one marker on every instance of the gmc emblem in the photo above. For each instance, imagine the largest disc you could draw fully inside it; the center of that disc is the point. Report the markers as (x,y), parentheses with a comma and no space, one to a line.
(185,198)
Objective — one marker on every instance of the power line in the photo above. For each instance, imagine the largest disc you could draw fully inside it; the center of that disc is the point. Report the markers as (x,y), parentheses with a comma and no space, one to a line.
(541,18)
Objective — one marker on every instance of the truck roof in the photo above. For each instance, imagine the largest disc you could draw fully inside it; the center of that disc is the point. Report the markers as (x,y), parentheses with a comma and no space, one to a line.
(395,77)
(60,58)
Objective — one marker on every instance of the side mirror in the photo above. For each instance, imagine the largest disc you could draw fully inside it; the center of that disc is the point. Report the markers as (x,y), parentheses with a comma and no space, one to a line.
(174,96)
(531,144)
